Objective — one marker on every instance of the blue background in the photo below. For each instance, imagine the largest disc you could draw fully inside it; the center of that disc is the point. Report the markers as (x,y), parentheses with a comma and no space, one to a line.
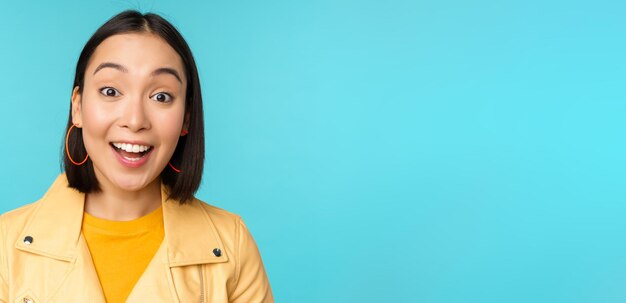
(380,151)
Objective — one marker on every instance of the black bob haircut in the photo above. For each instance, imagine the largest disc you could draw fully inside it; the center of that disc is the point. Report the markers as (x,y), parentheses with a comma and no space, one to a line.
(188,156)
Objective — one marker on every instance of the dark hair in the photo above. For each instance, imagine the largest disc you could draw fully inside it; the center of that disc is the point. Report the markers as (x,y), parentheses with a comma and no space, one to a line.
(189,153)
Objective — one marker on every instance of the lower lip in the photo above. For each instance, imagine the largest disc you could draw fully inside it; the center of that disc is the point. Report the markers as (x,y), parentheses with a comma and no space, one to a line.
(132,164)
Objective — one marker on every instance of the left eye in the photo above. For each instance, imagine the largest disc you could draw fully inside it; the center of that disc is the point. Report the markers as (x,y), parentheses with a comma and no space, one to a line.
(162,97)
(110,92)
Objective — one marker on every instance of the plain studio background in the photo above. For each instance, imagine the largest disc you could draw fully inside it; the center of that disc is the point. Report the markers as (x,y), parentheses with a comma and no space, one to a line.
(380,151)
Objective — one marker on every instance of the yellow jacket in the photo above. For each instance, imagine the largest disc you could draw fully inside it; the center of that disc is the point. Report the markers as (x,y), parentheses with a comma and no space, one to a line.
(207,255)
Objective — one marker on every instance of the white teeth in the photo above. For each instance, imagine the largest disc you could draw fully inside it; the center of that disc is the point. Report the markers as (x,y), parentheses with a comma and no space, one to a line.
(131,148)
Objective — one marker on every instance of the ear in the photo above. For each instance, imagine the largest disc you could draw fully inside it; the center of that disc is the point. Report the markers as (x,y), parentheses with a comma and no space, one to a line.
(185,129)
(77,117)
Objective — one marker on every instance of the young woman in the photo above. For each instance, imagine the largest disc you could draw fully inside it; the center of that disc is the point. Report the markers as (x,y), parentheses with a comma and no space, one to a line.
(121,224)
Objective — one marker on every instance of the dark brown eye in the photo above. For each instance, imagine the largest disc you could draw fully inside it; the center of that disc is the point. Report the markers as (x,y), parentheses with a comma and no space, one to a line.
(109,92)
(162,97)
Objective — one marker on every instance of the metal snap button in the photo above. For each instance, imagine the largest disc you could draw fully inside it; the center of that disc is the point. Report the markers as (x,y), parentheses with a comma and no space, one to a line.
(28,240)
(28,300)
(217,252)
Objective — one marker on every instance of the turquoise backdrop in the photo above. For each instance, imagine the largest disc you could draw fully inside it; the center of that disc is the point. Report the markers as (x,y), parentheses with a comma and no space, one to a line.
(379,151)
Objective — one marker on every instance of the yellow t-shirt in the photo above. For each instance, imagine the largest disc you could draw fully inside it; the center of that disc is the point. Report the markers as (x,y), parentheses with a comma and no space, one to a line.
(121,250)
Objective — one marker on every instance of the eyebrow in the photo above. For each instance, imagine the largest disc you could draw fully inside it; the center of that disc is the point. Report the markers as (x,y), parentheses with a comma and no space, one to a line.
(166,70)
(156,72)
(111,65)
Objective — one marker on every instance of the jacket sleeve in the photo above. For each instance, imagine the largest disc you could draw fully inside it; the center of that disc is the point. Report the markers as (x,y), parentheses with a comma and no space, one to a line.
(252,285)
(4,286)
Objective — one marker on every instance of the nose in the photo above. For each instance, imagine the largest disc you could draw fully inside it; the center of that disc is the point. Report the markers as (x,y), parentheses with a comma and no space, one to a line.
(134,116)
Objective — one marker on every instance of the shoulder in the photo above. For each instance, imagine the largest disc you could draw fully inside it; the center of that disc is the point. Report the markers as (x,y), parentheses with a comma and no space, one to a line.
(20,211)
(59,202)
(250,282)
(229,227)
(221,218)
(15,220)
(215,211)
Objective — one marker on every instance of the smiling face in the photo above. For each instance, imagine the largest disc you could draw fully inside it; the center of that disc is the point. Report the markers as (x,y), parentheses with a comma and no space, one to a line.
(131,109)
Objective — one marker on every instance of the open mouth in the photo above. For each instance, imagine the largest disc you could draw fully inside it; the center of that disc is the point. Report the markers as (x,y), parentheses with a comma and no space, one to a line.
(131,152)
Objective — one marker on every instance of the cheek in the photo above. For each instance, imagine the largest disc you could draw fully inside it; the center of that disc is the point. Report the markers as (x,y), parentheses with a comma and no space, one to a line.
(96,121)
(170,126)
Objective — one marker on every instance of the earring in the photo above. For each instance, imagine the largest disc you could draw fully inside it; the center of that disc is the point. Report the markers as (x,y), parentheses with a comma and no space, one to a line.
(184,132)
(67,149)
(174,168)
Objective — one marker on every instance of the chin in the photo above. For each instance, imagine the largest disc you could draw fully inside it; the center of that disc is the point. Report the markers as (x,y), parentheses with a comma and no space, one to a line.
(131,183)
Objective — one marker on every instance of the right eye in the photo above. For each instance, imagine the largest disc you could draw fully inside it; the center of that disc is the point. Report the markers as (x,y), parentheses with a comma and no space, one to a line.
(110,92)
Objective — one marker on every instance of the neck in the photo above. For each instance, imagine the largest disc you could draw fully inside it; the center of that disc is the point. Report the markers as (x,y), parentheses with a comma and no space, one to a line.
(119,205)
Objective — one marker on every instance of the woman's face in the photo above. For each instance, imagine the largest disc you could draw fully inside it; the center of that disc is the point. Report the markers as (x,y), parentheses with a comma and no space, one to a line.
(131,109)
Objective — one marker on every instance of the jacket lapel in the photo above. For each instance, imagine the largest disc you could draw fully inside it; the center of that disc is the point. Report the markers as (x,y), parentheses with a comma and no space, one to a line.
(55,232)
(87,276)
(190,233)
(56,223)
(155,284)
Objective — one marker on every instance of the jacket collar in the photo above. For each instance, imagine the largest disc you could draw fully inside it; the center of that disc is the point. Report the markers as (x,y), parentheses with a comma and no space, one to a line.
(55,228)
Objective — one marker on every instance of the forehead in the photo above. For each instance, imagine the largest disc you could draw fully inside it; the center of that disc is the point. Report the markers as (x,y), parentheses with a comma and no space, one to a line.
(140,53)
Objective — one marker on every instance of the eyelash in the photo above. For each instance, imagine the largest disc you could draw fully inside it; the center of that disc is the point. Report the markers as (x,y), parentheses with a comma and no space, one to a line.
(117,94)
